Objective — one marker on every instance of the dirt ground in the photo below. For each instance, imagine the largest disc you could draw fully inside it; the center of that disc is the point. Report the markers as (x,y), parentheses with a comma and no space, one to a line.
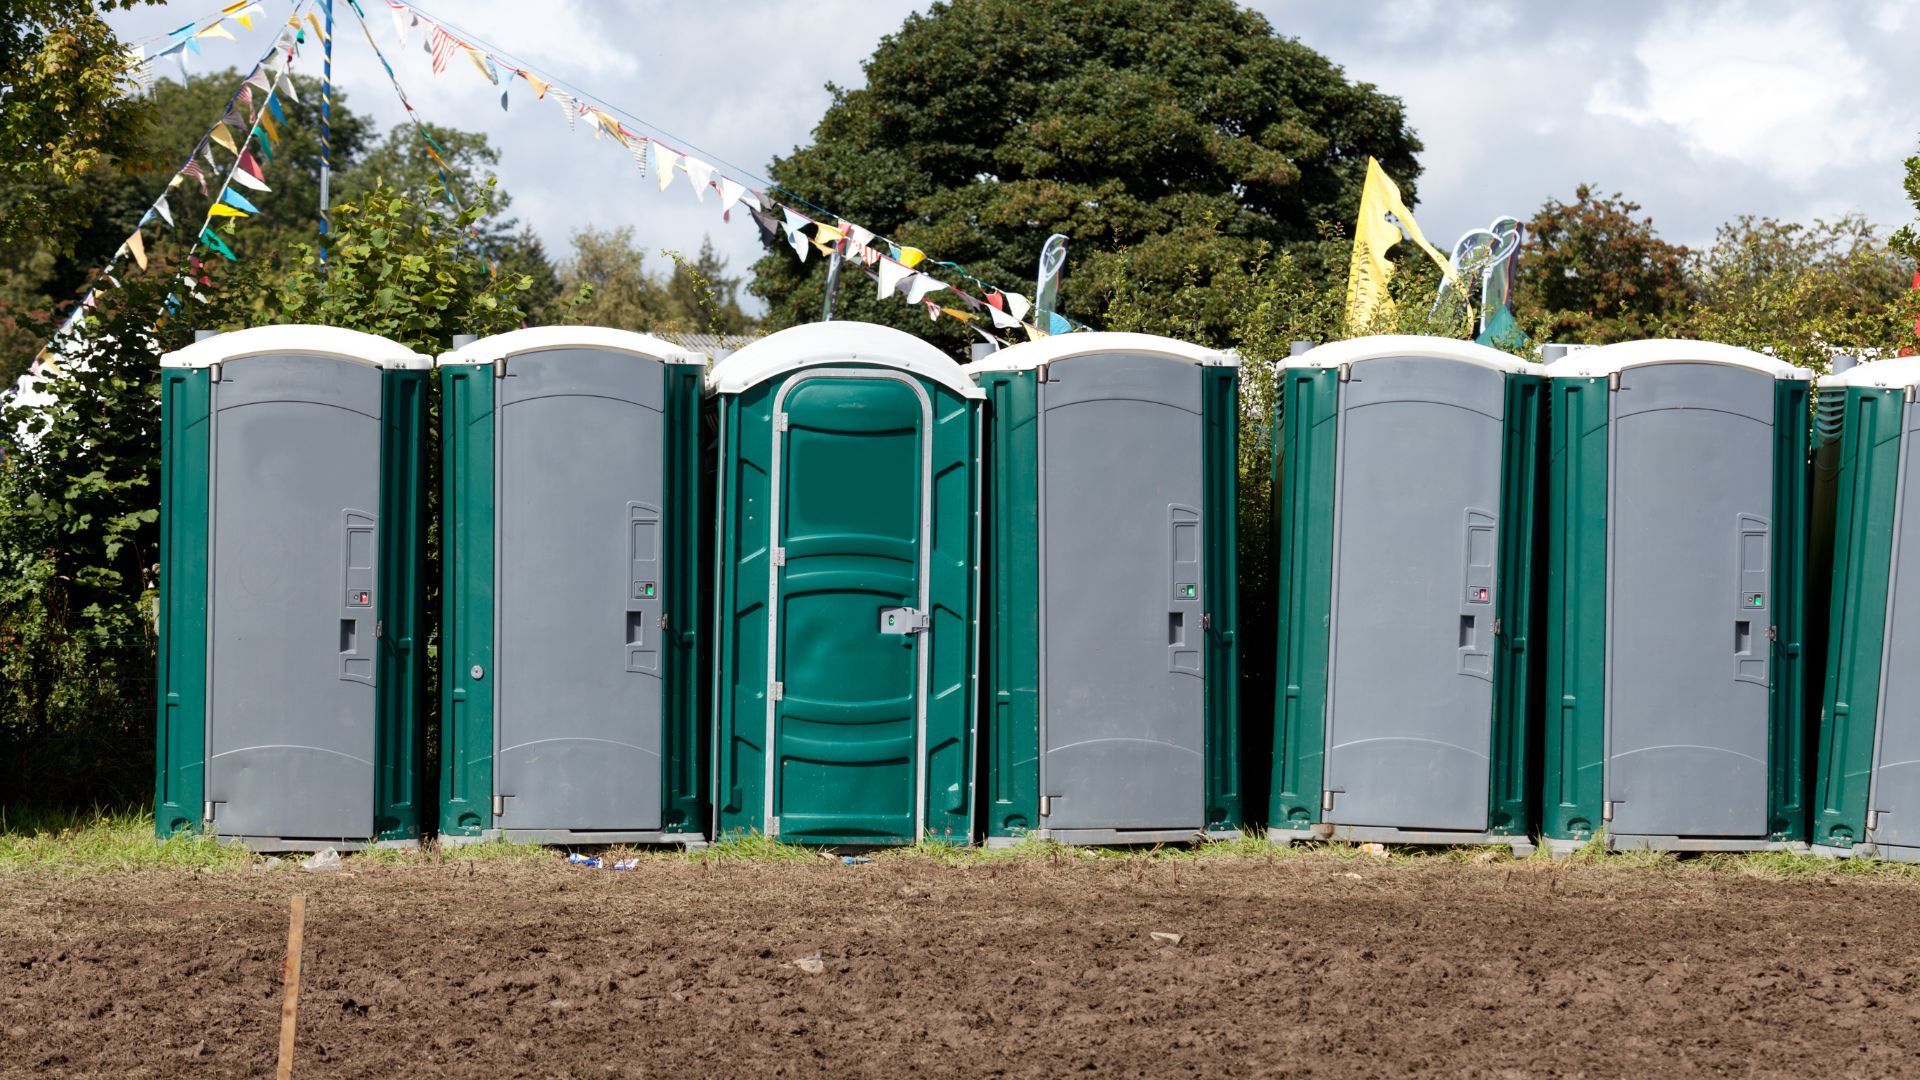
(1317,965)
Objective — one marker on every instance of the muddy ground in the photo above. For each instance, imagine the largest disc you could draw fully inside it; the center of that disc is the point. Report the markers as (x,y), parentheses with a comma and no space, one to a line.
(1317,965)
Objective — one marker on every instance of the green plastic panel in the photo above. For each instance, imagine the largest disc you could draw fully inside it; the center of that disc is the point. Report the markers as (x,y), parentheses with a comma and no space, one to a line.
(1573,742)
(683,752)
(1012,559)
(399,742)
(1220,515)
(1515,670)
(1859,482)
(466,598)
(1789,752)
(836,754)
(1304,448)
(181,717)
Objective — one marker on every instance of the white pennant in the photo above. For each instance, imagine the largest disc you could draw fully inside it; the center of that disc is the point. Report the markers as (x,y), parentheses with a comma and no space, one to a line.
(259,81)
(891,274)
(1002,320)
(1018,305)
(638,148)
(920,285)
(247,180)
(701,174)
(164,210)
(663,163)
(730,195)
(798,239)
(401,20)
(566,104)
(861,237)
(286,87)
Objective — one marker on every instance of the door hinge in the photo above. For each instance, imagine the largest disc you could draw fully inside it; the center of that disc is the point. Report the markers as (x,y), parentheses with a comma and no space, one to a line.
(379,628)
(1346,372)
(1606,810)
(1613,381)
(499,806)
(500,367)
(207,815)
(1873,819)
(663,620)
(1496,627)
(780,421)
(1773,633)
(903,620)
(780,556)
(213,372)
(1326,801)
(777,692)
(1206,620)
(1046,805)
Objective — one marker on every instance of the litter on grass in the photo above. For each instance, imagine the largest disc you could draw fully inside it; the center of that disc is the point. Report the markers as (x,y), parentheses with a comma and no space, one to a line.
(601,862)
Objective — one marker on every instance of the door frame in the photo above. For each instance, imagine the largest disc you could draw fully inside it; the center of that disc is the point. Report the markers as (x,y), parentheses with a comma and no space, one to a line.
(1908,448)
(923,573)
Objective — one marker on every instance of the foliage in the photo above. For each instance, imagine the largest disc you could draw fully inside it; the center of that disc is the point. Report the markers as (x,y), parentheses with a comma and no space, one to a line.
(1591,272)
(608,278)
(1801,291)
(1907,240)
(68,108)
(1187,135)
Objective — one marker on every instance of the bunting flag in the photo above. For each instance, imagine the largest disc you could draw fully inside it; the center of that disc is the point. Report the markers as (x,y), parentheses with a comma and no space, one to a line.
(638,148)
(769,226)
(214,243)
(138,247)
(218,30)
(260,80)
(249,166)
(701,174)
(1375,231)
(1002,319)
(539,85)
(730,195)
(795,223)
(890,275)
(193,169)
(663,162)
(441,46)
(238,201)
(920,285)
(485,65)
(221,209)
(911,256)
(221,135)
(283,86)
(566,105)
(402,19)
(165,211)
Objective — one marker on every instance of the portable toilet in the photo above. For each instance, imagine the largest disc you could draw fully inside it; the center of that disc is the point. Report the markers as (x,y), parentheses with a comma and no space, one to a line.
(845,580)
(292,532)
(1407,471)
(570,532)
(1867,489)
(1675,579)
(1113,712)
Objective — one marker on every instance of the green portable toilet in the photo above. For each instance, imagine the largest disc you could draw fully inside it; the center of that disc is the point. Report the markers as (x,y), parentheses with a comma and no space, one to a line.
(1677,526)
(1113,698)
(1406,477)
(292,531)
(570,527)
(1867,491)
(846,579)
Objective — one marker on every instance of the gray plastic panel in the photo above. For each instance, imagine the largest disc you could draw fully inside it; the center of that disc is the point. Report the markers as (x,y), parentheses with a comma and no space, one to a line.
(1688,648)
(290,709)
(1122,691)
(1896,778)
(1410,703)
(577,691)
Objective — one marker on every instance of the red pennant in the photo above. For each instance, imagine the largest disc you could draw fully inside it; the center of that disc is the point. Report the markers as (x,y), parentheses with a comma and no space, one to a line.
(253,167)
(999,303)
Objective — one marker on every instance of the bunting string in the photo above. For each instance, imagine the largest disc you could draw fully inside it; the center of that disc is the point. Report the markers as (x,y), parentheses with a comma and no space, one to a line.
(897,270)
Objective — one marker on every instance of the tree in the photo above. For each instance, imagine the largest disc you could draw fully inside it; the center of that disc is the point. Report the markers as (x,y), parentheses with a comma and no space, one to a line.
(1188,133)
(1592,272)
(608,274)
(1800,291)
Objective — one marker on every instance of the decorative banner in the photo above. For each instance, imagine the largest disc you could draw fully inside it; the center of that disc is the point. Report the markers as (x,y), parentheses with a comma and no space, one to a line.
(1377,228)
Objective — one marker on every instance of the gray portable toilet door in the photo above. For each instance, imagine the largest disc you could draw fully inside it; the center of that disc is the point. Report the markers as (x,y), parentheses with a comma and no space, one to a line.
(1410,687)
(1689,604)
(1895,788)
(1122,594)
(291,704)
(577,670)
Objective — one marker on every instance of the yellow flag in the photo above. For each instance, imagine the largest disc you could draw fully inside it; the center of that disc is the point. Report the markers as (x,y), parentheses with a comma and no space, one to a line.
(231,8)
(244,18)
(218,29)
(539,85)
(317,31)
(911,256)
(267,125)
(221,209)
(1034,333)
(139,248)
(221,135)
(825,232)
(1373,234)
(956,313)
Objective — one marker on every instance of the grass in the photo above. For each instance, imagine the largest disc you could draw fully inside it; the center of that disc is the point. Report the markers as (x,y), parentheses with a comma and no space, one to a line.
(121,840)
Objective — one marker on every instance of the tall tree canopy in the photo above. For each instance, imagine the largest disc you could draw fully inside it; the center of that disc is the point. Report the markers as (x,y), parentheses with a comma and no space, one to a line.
(1185,134)
(1594,271)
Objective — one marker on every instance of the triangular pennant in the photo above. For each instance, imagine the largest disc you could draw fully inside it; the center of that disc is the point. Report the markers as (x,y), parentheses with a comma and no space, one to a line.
(730,194)
(244,18)
(824,231)
(1034,333)
(663,162)
(1001,319)
(193,169)
(503,101)
(484,64)
(259,79)
(1017,306)
(933,311)
(212,240)
(795,223)
(273,107)
(138,247)
(221,209)
(221,135)
(206,151)
(285,85)
(218,30)
(922,284)
(860,236)
(251,166)
(272,129)
(243,105)
(539,85)
(701,174)
(317,31)
(401,20)
(165,211)
(193,46)
(870,255)
(991,340)
(247,180)
(566,105)
(996,301)
(890,275)
(638,148)
(955,313)
(825,247)
(769,226)
(912,256)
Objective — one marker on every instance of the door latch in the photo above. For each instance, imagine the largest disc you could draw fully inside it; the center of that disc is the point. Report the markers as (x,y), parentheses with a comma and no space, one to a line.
(903,620)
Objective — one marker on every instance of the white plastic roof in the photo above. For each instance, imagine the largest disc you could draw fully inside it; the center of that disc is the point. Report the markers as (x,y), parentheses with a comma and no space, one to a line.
(827,343)
(1607,359)
(1901,371)
(322,340)
(1380,346)
(537,338)
(1031,354)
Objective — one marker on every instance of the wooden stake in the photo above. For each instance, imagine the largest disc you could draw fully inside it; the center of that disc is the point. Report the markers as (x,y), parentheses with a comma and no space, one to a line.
(290,1007)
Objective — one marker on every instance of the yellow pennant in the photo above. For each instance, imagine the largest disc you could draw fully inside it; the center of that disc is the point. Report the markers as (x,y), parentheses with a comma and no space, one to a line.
(824,231)
(218,29)
(955,313)
(539,85)
(221,135)
(221,209)
(911,256)
(1374,233)
(267,125)
(317,31)
(244,18)
(826,246)
(1034,333)
(138,247)
(241,6)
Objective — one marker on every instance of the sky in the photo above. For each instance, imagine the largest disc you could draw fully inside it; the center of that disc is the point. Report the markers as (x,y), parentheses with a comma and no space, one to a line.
(1699,111)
